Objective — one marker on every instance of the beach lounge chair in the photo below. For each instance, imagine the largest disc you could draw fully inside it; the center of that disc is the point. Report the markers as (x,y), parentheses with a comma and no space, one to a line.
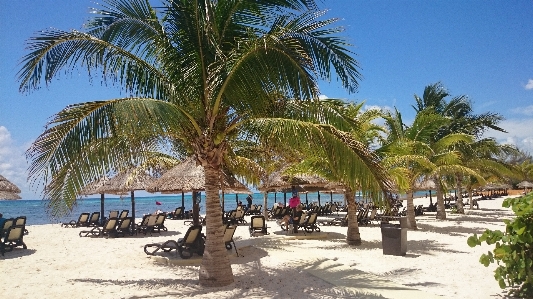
(309,224)
(177,214)
(109,228)
(123,214)
(160,223)
(83,220)
(192,242)
(94,220)
(7,224)
(228,237)
(124,226)
(147,225)
(113,214)
(13,238)
(21,220)
(337,221)
(258,226)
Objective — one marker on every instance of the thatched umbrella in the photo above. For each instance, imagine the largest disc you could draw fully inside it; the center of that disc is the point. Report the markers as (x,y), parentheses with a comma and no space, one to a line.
(278,182)
(8,190)
(127,181)
(426,185)
(189,177)
(525,185)
(92,188)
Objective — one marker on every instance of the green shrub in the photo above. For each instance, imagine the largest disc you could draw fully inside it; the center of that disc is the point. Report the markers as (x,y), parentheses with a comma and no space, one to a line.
(513,250)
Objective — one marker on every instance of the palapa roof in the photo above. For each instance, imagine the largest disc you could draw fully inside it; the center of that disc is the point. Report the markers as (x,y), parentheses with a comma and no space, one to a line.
(93,187)
(525,184)
(6,185)
(129,180)
(279,182)
(425,185)
(9,195)
(8,190)
(188,177)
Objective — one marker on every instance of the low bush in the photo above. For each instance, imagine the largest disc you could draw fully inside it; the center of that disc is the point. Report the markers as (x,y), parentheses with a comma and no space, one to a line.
(513,250)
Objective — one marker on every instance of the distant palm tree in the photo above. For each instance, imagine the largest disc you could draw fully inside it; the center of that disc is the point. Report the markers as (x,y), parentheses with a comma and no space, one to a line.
(197,73)
(358,168)
(407,154)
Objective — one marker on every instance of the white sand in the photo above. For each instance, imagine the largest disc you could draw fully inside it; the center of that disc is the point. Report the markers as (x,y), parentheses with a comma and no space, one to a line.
(439,263)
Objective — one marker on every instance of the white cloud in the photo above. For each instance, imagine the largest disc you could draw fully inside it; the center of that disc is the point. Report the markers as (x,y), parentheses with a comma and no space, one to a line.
(520,133)
(13,163)
(529,84)
(524,110)
(323,97)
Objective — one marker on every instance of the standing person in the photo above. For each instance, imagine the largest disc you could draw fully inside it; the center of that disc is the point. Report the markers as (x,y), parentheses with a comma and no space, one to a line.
(294,201)
(249,200)
(2,221)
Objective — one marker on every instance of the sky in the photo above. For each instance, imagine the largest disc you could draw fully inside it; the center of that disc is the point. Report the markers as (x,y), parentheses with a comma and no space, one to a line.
(481,49)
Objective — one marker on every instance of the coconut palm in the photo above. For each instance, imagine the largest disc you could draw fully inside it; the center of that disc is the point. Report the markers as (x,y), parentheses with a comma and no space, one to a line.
(359,168)
(406,152)
(481,157)
(196,72)
(462,120)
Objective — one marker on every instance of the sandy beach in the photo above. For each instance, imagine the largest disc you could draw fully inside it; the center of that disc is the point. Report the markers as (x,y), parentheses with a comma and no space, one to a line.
(439,263)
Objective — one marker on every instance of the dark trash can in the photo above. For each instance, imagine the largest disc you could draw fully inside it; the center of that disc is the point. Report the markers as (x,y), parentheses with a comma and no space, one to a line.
(394,238)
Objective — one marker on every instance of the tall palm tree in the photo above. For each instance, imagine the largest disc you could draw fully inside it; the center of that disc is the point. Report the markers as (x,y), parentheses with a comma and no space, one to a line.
(359,168)
(196,72)
(462,121)
(406,152)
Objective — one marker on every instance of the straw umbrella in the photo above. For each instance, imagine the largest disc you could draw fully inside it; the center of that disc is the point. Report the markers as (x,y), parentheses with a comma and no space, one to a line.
(189,177)
(8,190)
(525,185)
(278,182)
(127,181)
(425,185)
(92,188)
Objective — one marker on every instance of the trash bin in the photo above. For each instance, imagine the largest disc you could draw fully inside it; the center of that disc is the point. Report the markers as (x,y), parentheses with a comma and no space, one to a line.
(394,238)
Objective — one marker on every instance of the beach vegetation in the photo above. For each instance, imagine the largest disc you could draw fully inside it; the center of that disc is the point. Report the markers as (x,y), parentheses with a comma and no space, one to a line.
(200,76)
(513,250)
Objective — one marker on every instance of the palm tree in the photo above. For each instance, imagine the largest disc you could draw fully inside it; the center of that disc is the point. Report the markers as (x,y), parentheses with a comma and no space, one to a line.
(359,167)
(481,157)
(196,72)
(406,152)
(463,121)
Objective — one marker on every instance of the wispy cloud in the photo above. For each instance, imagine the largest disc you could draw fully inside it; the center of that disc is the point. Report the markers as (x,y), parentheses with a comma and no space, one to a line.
(13,163)
(529,84)
(524,110)
(519,133)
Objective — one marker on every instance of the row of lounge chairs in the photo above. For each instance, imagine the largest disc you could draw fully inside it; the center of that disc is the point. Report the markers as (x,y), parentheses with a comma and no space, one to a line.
(112,227)
(117,227)
(12,234)
(88,219)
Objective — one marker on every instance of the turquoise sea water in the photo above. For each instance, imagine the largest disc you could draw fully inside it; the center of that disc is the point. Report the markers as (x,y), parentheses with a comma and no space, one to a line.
(35,210)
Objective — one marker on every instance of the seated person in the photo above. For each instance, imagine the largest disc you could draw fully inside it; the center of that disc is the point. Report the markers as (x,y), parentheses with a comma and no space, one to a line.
(293,219)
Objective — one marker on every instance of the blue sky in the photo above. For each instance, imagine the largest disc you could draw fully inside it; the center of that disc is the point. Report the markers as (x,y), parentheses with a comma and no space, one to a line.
(482,49)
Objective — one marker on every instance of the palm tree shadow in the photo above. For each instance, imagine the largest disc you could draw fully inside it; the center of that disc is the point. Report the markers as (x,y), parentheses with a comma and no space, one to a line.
(253,280)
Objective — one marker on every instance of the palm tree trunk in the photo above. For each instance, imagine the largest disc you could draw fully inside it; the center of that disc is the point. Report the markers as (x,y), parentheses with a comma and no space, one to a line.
(411,221)
(265,205)
(459,203)
(470,198)
(441,211)
(353,237)
(215,270)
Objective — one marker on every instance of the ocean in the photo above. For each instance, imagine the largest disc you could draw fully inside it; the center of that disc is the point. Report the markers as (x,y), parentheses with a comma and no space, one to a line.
(36,214)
